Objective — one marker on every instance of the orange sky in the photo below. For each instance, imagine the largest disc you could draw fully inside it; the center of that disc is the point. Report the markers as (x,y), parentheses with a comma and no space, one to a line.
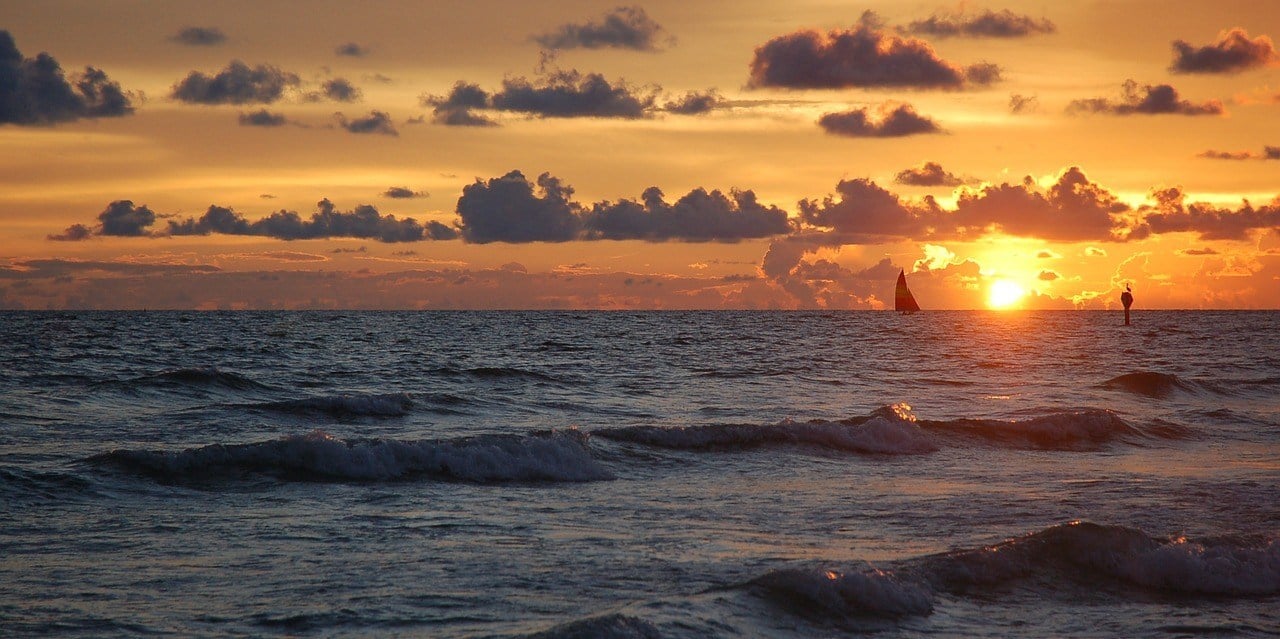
(694,155)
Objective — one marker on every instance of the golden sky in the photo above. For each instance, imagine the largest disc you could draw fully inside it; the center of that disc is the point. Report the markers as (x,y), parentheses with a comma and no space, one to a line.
(576,154)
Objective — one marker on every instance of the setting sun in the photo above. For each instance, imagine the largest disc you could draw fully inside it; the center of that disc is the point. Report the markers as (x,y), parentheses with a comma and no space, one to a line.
(1004,294)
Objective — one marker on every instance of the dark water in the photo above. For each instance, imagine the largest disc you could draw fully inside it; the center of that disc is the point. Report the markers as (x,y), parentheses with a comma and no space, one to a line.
(716,474)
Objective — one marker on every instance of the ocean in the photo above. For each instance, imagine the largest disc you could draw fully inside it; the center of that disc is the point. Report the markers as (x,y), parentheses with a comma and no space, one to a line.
(647,474)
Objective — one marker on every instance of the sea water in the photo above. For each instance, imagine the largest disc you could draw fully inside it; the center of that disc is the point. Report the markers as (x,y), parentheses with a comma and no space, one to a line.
(656,474)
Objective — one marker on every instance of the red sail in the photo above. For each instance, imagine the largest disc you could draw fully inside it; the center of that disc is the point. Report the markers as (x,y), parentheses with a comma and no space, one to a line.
(903,300)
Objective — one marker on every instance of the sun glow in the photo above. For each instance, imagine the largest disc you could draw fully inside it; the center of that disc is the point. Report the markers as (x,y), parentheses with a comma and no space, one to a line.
(1004,294)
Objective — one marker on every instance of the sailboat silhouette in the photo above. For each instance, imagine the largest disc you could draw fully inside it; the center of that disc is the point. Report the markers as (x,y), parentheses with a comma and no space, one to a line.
(903,301)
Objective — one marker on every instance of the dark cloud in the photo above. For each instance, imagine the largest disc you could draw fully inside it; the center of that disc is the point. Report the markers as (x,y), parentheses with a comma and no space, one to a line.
(376,122)
(1171,214)
(1271,152)
(1146,100)
(1019,104)
(123,218)
(455,109)
(1197,252)
(1072,209)
(236,84)
(567,94)
(340,90)
(34,91)
(361,249)
(510,209)
(867,213)
(988,24)
(263,117)
(622,28)
(363,221)
(1268,153)
(1233,52)
(351,49)
(891,122)
(694,103)
(402,193)
(699,216)
(200,36)
(930,174)
(864,56)
(74,233)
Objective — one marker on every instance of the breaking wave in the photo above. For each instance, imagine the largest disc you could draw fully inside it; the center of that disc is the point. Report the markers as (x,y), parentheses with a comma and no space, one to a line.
(1091,552)
(612,626)
(888,431)
(1060,561)
(894,430)
(552,457)
(377,405)
(827,594)
(1149,384)
(196,377)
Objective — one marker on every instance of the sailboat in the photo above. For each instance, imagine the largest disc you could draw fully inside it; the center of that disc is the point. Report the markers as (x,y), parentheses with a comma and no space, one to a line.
(903,301)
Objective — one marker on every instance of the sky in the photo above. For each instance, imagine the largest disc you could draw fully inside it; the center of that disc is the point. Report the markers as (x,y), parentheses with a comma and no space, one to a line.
(662,155)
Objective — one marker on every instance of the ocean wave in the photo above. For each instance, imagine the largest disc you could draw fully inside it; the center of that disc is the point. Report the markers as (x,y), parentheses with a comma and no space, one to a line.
(1078,430)
(19,484)
(881,433)
(197,377)
(612,626)
(895,430)
(1149,384)
(377,405)
(1091,552)
(552,457)
(870,592)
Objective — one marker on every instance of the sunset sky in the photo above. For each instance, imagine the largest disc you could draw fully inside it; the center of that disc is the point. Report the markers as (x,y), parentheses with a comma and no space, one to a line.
(577,154)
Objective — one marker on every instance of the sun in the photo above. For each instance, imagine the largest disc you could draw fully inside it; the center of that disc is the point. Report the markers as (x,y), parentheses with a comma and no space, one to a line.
(1004,294)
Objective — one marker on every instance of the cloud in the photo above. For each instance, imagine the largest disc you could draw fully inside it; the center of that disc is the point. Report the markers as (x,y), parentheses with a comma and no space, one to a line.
(622,28)
(694,103)
(1019,104)
(402,193)
(1171,214)
(376,122)
(455,109)
(1146,100)
(510,209)
(1048,276)
(929,174)
(1228,155)
(565,94)
(263,117)
(866,213)
(1192,252)
(699,216)
(200,36)
(362,249)
(351,50)
(34,91)
(74,233)
(864,56)
(57,267)
(1072,209)
(340,90)
(988,24)
(122,218)
(1048,255)
(236,84)
(1093,251)
(890,122)
(1271,152)
(1233,52)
